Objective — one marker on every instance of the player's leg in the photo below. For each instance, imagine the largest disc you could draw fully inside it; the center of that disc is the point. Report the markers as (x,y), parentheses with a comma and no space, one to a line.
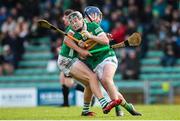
(108,84)
(112,93)
(87,99)
(107,81)
(118,110)
(109,68)
(65,90)
(79,87)
(83,74)
(108,74)
(66,84)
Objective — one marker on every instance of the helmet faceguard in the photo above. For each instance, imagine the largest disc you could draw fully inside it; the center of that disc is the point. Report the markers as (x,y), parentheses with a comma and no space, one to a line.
(76,20)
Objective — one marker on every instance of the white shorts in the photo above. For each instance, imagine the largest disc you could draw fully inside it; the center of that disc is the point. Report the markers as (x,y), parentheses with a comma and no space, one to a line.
(65,64)
(99,68)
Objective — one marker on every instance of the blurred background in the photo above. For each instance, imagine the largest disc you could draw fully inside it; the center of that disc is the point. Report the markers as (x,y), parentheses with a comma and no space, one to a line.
(147,74)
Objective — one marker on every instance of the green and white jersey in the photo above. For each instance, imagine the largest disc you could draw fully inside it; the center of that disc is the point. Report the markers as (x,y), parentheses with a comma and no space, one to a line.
(65,50)
(97,58)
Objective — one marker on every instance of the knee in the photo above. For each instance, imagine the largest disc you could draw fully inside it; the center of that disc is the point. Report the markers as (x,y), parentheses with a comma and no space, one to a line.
(107,81)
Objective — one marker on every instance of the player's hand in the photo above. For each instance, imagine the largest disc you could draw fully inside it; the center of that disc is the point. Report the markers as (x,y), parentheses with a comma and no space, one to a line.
(82,44)
(86,33)
(84,54)
(109,36)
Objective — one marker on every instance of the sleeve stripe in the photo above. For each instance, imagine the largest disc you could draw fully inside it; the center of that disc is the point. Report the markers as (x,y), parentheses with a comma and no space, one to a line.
(100,33)
(98,30)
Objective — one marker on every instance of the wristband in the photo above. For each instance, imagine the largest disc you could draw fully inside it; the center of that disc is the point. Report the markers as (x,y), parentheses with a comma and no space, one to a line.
(126,43)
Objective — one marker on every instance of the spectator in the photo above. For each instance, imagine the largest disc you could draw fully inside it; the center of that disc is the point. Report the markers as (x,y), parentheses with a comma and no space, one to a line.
(56,47)
(177,41)
(8,26)
(131,66)
(169,58)
(159,8)
(34,28)
(21,28)
(146,28)
(119,32)
(1,64)
(133,10)
(6,61)
(3,14)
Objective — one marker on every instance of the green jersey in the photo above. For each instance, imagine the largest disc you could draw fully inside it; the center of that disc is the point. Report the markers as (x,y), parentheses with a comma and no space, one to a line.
(65,50)
(98,57)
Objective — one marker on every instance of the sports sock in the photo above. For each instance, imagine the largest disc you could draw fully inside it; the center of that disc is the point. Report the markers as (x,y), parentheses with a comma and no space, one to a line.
(128,106)
(86,107)
(65,91)
(103,102)
(118,111)
(118,108)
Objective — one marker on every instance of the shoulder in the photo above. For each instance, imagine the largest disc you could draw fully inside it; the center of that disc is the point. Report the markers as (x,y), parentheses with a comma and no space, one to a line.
(93,24)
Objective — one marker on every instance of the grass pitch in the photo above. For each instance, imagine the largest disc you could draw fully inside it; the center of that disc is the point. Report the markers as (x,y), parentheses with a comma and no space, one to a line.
(150,112)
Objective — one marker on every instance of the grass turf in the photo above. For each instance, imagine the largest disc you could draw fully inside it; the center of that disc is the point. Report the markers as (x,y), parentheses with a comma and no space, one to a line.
(150,112)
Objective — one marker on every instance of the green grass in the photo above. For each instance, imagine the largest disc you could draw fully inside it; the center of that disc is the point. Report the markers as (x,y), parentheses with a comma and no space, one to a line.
(150,112)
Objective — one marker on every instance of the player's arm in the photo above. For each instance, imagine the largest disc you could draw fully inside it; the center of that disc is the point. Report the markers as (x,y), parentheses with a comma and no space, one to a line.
(100,37)
(73,45)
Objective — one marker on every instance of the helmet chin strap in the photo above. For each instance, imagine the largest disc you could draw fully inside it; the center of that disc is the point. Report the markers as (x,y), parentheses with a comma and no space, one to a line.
(88,17)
